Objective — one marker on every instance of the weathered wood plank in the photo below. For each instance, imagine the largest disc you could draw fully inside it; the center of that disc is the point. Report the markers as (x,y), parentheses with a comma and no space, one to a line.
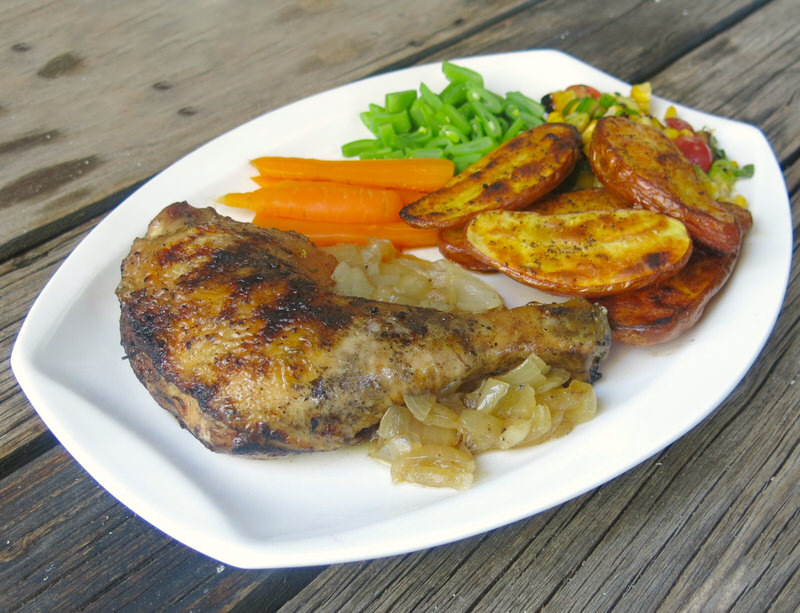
(18,277)
(113,559)
(627,39)
(98,555)
(181,75)
(163,58)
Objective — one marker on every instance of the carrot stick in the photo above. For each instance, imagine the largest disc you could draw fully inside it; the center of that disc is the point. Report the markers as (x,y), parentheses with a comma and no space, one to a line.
(321,201)
(406,195)
(410,195)
(328,233)
(422,174)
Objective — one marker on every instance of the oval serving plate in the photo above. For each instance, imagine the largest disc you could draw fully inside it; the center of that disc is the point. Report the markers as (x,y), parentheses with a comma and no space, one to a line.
(341,506)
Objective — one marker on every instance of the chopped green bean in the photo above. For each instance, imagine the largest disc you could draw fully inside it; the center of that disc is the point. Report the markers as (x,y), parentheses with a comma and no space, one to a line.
(432,99)
(481,145)
(491,123)
(422,115)
(427,152)
(526,103)
(463,161)
(490,100)
(461,74)
(462,122)
(400,101)
(450,114)
(513,130)
(387,134)
(360,147)
(454,93)
(453,134)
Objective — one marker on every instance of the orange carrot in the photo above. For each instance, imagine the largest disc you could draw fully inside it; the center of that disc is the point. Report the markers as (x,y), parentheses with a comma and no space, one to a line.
(328,233)
(406,195)
(410,195)
(321,201)
(422,174)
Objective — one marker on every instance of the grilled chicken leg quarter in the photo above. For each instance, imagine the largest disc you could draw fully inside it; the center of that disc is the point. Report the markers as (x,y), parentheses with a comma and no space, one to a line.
(235,330)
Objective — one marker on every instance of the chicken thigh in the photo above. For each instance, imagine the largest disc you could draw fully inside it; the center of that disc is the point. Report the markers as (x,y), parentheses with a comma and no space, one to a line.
(236,330)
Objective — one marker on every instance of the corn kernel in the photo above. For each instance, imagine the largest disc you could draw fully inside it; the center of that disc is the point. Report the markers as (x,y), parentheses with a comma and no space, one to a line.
(672,112)
(561,98)
(586,135)
(740,200)
(641,94)
(672,132)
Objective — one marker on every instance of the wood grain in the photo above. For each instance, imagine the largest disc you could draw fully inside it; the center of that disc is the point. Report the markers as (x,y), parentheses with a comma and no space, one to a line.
(87,112)
(129,88)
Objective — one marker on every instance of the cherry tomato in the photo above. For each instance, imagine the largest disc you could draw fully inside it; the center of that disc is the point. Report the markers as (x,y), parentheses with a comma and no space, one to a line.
(582,91)
(696,150)
(678,124)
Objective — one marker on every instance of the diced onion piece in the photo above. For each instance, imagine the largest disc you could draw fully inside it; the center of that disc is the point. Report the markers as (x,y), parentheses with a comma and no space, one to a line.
(555,378)
(442,416)
(514,432)
(577,401)
(396,420)
(435,435)
(380,272)
(489,394)
(531,371)
(435,466)
(518,403)
(481,431)
(541,425)
(353,278)
(419,404)
(397,446)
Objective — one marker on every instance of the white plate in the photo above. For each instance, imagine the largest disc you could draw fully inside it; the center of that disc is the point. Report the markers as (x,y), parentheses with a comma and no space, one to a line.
(342,506)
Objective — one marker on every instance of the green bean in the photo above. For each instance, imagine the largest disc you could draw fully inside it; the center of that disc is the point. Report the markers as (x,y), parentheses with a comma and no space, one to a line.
(461,74)
(462,122)
(525,103)
(360,147)
(450,114)
(400,101)
(432,99)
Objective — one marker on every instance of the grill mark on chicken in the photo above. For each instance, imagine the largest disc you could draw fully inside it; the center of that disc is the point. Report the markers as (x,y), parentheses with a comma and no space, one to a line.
(236,331)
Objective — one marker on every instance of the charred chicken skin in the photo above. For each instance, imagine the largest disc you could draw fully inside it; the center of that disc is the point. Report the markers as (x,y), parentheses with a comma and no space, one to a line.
(236,330)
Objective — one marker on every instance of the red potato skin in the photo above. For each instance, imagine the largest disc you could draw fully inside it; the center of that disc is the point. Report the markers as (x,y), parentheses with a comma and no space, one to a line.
(453,245)
(592,199)
(640,164)
(551,271)
(511,177)
(662,312)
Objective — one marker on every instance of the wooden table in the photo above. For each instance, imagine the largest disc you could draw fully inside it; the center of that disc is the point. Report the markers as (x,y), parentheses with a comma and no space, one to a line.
(97,97)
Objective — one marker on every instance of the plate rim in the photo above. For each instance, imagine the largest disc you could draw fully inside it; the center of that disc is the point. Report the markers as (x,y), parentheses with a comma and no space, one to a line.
(236,552)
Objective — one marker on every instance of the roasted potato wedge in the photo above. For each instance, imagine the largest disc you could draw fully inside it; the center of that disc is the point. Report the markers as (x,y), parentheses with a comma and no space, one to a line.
(453,245)
(661,312)
(594,199)
(594,253)
(640,164)
(510,177)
